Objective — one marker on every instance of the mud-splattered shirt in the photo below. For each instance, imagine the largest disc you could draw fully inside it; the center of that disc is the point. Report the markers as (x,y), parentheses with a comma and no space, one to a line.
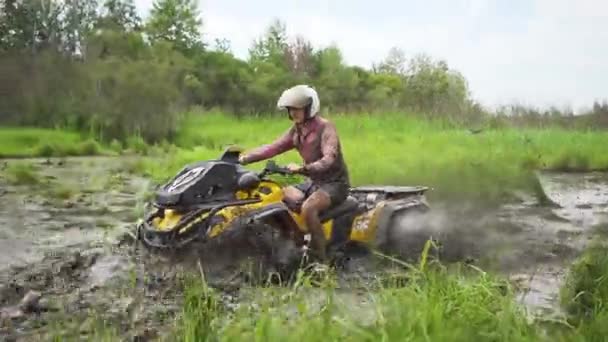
(319,146)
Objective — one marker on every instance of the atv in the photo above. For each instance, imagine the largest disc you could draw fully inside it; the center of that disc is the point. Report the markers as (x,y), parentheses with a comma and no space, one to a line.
(216,198)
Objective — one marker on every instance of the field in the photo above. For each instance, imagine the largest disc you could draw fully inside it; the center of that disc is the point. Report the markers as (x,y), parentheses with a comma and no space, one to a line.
(387,149)
(421,302)
(403,150)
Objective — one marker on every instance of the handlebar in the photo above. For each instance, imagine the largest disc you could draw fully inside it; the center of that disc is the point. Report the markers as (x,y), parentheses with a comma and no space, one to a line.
(272,168)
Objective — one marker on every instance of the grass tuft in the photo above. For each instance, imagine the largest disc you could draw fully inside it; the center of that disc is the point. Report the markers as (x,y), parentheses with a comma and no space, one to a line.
(21,173)
(585,292)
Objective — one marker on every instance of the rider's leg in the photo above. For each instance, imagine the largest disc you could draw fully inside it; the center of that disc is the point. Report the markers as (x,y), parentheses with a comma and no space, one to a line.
(313,205)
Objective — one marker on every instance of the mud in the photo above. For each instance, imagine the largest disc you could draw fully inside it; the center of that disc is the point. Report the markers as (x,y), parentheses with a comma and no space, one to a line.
(67,238)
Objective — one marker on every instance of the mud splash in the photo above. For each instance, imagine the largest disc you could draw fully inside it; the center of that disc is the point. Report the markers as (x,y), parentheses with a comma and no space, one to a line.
(67,237)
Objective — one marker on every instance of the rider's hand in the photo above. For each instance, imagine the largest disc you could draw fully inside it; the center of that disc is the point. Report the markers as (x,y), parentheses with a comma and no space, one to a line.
(242,159)
(294,168)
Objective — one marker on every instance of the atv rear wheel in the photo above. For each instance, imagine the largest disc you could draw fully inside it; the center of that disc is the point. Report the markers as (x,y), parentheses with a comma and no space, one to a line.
(404,232)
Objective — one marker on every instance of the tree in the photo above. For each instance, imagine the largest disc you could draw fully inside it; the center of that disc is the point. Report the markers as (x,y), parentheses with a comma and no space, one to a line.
(79,19)
(31,25)
(120,15)
(271,46)
(394,63)
(223,45)
(299,56)
(337,83)
(177,22)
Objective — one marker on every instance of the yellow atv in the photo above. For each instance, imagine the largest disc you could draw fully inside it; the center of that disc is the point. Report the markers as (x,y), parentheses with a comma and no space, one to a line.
(218,198)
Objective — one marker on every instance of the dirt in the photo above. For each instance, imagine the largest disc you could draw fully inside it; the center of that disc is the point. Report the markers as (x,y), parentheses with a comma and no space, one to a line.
(68,240)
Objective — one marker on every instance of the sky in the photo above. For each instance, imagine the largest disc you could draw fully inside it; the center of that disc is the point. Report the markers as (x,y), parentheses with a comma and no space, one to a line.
(532,52)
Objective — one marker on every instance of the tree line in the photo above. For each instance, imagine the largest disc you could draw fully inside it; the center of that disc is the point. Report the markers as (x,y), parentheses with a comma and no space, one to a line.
(97,66)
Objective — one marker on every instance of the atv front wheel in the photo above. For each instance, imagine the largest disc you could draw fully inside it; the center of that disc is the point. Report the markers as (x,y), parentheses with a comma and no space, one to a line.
(263,244)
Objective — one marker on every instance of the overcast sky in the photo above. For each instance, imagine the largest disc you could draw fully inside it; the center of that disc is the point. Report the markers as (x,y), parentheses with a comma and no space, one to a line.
(536,52)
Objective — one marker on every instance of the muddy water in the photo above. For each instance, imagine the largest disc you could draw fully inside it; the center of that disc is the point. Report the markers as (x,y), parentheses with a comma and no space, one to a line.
(62,237)
(534,244)
(563,230)
(77,201)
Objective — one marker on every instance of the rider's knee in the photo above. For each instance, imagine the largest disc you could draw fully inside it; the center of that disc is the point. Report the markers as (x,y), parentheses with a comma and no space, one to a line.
(292,194)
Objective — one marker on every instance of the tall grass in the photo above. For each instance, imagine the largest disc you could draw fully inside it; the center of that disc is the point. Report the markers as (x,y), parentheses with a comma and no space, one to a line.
(402,150)
(380,149)
(436,304)
(584,295)
(424,302)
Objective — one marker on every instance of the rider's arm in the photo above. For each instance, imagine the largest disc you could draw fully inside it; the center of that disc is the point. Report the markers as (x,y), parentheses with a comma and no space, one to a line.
(329,149)
(283,144)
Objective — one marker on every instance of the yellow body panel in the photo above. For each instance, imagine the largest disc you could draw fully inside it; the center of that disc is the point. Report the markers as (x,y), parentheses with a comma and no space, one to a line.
(364,225)
(299,219)
(170,219)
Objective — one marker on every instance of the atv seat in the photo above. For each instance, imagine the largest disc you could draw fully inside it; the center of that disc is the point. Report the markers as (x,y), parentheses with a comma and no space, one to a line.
(350,204)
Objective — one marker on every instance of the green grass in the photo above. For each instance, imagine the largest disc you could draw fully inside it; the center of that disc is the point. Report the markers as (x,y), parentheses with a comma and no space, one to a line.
(395,149)
(39,142)
(436,304)
(585,292)
(402,150)
(436,307)
(584,295)
(461,303)
(21,174)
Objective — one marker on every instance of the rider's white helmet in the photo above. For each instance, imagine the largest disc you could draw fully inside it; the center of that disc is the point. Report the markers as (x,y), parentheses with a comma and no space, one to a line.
(300,96)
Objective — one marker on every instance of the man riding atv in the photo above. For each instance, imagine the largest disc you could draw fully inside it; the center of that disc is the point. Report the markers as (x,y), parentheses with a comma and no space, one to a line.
(316,139)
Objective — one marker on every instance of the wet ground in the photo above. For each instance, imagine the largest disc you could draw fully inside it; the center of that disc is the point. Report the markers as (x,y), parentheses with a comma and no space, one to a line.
(64,246)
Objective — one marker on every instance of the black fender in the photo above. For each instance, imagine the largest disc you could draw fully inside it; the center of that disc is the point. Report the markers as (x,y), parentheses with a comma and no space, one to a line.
(274,215)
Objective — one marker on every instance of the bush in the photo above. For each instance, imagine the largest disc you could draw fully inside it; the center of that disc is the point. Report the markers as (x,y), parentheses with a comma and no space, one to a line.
(89,148)
(45,150)
(116,146)
(137,145)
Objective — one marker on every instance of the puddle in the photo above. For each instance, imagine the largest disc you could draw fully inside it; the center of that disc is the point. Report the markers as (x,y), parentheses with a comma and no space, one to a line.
(583,197)
(561,233)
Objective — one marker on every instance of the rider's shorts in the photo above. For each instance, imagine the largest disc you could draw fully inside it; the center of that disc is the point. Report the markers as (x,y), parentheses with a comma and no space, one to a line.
(338,191)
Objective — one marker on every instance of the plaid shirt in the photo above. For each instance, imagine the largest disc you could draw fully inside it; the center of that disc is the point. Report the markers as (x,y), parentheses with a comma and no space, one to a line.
(319,146)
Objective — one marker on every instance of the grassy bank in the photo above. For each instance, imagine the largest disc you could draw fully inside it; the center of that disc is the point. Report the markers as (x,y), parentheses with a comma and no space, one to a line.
(17,142)
(397,149)
(23,142)
(460,303)
(433,306)
(426,302)
(388,149)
